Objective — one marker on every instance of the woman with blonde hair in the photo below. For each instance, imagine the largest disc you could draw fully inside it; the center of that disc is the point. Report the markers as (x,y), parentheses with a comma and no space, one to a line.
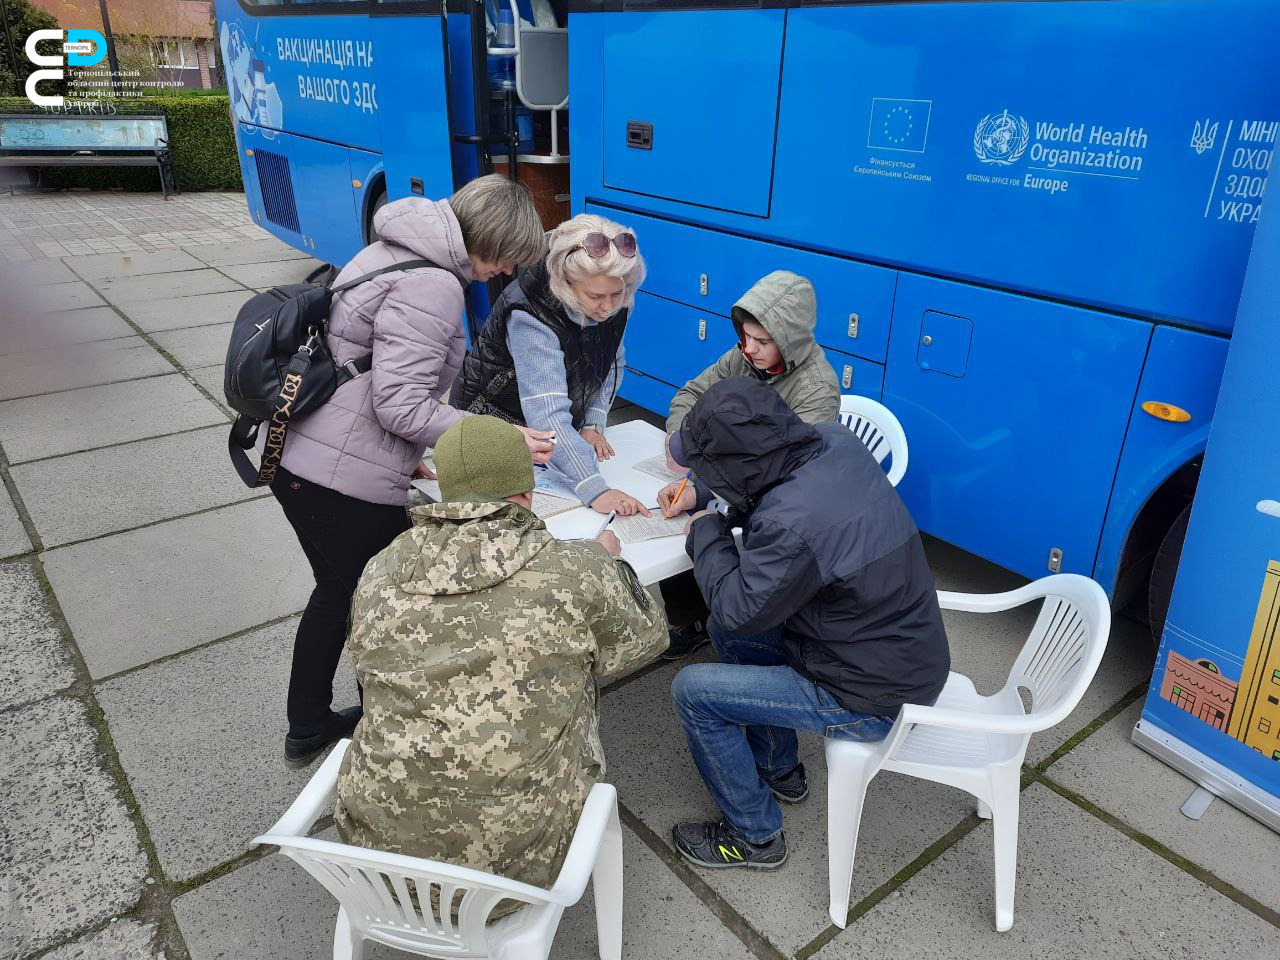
(551,354)
(344,476)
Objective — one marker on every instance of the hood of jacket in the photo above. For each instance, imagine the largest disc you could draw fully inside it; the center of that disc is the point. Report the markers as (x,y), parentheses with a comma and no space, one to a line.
(426,228)
(785,305)
(461,546)
(741,439)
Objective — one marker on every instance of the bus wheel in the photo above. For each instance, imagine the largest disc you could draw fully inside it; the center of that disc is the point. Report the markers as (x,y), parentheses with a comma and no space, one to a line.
(378,204)
(1163,573)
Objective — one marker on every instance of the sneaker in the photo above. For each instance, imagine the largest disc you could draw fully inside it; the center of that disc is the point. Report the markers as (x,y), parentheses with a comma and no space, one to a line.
(685,640)
(300,751)
(790,788)
(715,844)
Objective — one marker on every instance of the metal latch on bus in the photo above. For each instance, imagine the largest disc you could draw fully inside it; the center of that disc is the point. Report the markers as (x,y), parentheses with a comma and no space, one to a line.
(702,329)
(846,376)
(853,326)
(639,135)
(1055,560)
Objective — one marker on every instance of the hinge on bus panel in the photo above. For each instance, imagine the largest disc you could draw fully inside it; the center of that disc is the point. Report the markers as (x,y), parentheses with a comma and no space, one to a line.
(1055,560)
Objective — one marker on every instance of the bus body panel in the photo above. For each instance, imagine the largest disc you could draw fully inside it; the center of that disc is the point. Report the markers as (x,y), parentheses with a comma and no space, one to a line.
(1180,363)
(1015,410)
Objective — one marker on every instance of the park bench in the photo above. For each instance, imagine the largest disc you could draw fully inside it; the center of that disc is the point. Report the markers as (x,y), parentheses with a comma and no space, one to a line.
(59,140)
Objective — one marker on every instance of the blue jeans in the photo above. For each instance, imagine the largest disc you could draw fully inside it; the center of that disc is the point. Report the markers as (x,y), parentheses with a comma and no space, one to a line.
(741,716)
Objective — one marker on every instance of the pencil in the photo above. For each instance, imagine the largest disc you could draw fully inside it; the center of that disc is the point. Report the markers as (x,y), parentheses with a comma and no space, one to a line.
(666,514)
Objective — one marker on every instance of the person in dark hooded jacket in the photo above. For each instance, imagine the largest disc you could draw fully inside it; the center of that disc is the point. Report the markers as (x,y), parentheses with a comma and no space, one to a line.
(826,620)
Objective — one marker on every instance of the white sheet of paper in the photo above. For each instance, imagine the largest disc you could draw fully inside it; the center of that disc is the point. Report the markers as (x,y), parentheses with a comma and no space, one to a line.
(657,467)
(545,505)
(430,487)
(553,483)
(640,528)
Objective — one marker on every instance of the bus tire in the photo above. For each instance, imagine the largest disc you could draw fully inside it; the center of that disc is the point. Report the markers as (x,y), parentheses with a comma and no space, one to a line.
(1164,572)
(379,202)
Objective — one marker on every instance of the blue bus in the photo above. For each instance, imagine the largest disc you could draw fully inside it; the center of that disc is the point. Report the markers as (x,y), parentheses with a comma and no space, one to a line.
(1027,222)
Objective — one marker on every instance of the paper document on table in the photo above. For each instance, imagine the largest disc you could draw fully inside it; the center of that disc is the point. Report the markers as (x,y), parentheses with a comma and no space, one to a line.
(657,467)
(639,528)
(553,483)
(547,505)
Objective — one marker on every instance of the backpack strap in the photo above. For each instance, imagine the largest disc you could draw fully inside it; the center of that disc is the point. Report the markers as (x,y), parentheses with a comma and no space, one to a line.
(393,268)
(244,432)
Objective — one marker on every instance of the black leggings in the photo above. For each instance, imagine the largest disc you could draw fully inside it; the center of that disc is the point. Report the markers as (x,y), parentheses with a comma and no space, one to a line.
(339,534)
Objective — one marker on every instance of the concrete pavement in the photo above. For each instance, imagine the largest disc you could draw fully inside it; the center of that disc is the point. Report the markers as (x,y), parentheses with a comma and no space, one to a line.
(148,602)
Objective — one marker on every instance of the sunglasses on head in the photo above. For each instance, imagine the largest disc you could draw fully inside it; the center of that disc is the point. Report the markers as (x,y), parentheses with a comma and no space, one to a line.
(597,245)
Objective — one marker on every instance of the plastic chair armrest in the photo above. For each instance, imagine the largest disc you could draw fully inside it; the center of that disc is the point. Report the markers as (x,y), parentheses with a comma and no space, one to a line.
(597,813)
(997,723)
(991,602)
(316,798)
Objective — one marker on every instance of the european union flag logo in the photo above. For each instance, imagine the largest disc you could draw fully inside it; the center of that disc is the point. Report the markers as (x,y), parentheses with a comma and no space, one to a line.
(899,124)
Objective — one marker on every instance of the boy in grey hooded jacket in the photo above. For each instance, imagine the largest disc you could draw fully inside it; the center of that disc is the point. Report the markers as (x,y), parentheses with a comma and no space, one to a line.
(785,305)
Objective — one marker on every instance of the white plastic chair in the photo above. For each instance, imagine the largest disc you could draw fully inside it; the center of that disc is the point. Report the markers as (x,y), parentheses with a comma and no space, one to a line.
(973,742)
(376,891)
(875,425)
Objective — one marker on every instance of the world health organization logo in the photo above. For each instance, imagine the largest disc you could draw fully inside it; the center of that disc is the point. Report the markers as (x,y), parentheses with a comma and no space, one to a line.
(1001,139)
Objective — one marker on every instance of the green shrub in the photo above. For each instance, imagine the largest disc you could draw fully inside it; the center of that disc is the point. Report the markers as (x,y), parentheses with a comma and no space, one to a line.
(200,137)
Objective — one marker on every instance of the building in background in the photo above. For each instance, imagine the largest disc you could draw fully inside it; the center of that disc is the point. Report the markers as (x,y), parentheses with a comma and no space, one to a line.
(162,39)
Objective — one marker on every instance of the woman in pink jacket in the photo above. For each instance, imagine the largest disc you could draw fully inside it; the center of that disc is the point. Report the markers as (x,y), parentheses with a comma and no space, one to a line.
(345,473)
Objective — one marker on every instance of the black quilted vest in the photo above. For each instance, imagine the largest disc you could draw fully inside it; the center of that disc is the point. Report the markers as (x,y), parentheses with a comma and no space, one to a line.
(487,383)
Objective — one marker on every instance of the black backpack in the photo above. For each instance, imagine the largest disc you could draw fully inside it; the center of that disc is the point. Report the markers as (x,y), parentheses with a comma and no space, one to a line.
(279,366)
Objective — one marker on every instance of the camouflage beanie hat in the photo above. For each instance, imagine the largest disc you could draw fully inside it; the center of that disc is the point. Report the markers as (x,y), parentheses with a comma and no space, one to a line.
(483,458)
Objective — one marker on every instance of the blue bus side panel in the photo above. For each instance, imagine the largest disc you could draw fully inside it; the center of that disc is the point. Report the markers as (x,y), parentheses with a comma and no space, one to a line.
(412,110)
(1183,368)
(1220,653)
(1015,410)
(326,198)
(856,375)
(1106,153)
(855,300)
(696,140)
(466,162)
(315,76)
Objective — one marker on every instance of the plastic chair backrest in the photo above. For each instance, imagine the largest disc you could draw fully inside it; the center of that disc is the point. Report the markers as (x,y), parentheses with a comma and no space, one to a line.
(440,912)
(875,425)
(1066,645)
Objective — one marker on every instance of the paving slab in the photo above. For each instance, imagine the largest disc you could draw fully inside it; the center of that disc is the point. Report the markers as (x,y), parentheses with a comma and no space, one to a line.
(126,291)
(129,485)
(40,331)
(34,660)
(79,365)
(36,273)
(110,266)
(649,762)
(119,940)
(272,909)
(68,295)
(210,378)
(1083,890)
(1108,770)
(94,417)
(271,274)
(178,584)
(72,855)
(247,251)
(13,535)
(208,782)
(197,346)
(984,646)
(174,313)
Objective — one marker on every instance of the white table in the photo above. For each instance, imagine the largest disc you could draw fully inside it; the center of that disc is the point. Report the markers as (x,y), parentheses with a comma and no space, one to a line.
(653,560)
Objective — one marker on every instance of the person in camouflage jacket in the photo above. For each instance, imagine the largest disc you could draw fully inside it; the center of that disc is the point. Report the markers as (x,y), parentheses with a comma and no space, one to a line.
(479,638)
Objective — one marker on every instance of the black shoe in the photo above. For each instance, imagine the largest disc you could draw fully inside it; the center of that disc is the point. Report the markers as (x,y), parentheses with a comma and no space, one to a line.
(715,844)
(790,788)
(685,640)
(300,751)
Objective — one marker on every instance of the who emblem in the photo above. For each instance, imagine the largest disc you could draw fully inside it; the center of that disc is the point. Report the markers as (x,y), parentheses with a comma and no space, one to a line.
(1001,138)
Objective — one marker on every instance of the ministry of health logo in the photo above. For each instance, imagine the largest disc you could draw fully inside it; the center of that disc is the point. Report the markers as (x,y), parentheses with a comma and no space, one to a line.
(1001,138)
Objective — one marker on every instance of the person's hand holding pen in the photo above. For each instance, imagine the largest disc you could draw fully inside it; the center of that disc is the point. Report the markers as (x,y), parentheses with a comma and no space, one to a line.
(541,443)
(676,497)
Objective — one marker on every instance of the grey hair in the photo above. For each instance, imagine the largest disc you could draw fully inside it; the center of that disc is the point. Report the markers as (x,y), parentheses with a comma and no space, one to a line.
(499,221)
(567,261)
